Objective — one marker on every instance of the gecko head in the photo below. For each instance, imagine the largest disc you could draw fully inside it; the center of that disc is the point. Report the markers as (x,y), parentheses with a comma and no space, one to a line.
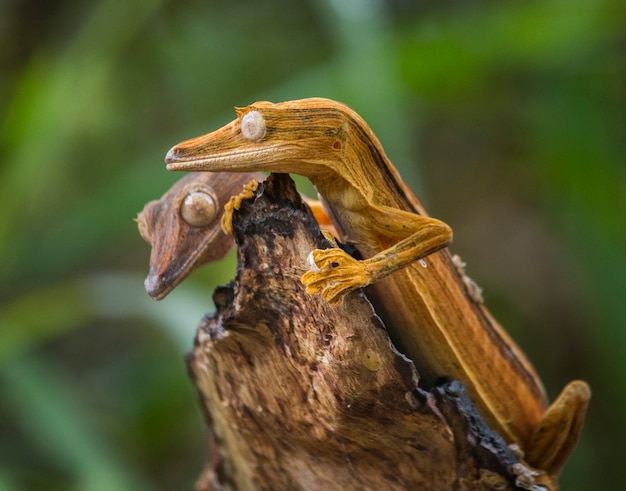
(305,137)
(183,229)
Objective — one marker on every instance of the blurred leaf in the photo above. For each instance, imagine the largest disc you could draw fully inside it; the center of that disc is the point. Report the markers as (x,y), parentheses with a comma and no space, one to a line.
(54,421)
(60,100)
(6,483)
(40,315)
(447,56)
(37,315)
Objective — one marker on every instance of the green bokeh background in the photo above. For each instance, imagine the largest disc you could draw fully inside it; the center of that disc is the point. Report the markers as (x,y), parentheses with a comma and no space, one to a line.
(507,118)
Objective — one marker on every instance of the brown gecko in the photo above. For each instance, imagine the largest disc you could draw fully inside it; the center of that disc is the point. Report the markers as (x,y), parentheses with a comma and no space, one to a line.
(189,226)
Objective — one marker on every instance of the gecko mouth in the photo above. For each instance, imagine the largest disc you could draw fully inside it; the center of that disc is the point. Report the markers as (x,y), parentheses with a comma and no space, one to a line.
(161,281)
(176,159)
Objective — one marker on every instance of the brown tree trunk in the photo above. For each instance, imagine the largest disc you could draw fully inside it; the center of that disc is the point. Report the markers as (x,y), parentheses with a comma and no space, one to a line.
(301,395)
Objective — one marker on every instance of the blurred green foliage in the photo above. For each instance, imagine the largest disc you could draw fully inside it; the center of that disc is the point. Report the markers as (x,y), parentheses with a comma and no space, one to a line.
(507,117)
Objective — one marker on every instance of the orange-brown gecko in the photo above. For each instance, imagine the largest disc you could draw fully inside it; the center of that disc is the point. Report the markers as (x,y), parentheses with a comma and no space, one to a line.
(415,285)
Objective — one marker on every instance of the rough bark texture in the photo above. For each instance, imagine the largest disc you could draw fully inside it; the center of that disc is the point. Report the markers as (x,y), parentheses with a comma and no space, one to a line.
(301,395)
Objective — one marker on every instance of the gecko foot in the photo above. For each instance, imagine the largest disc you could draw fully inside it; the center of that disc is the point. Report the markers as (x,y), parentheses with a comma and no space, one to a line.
(558,432)
(337,274)
(234,203)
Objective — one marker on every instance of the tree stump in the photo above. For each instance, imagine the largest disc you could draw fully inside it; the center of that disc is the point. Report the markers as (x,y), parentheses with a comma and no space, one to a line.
(301,395)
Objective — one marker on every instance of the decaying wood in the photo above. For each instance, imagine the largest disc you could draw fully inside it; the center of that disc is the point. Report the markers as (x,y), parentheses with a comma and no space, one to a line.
(302,395)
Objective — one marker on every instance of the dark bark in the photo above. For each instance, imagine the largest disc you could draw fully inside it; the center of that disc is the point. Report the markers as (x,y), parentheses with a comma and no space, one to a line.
(301,395)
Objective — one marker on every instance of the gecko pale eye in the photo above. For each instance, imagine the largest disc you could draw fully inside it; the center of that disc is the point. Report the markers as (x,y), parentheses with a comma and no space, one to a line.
(253,126)
(198,208)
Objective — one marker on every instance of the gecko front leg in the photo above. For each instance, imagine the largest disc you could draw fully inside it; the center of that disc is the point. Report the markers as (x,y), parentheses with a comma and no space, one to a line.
(336,273)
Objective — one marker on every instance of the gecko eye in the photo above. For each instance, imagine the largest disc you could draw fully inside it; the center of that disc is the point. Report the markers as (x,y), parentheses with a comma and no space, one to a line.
(253,126)
(198,208)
